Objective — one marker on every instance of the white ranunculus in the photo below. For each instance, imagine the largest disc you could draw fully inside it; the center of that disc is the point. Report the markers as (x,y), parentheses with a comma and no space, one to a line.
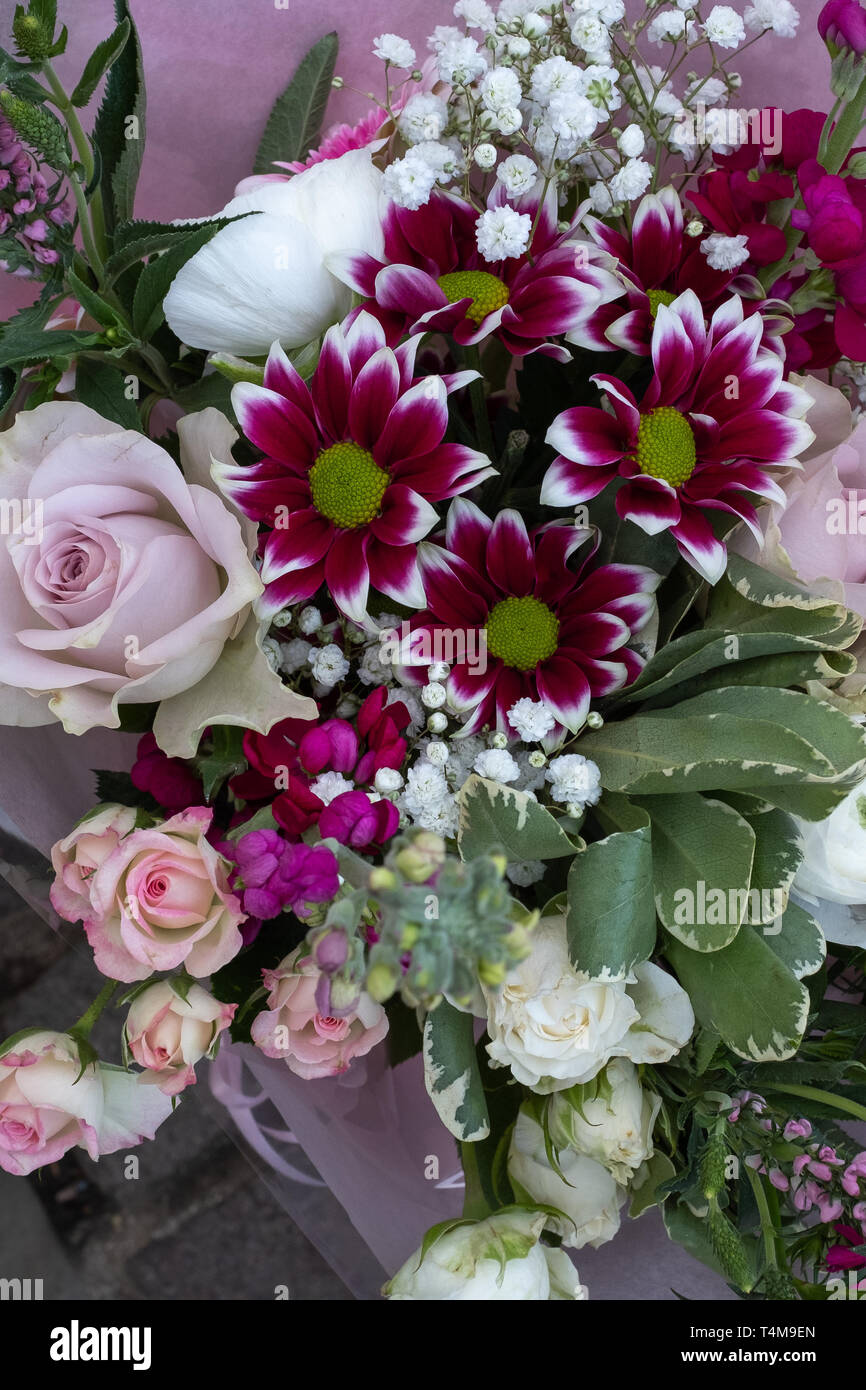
(483,1261)
(555,1027)
(586,1193)
(609,1119)
(264,277)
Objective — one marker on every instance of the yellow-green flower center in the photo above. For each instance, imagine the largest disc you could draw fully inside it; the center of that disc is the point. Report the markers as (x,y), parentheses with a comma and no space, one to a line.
(522,632)
(486,291)
(666,446)
(347,485)
(657,297)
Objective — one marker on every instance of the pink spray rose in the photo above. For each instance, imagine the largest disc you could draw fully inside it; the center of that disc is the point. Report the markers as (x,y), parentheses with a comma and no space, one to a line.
(157,900)
(76,859)
(122,581)
(292,1029)
(48,1105)
(168,1033)
(819,537)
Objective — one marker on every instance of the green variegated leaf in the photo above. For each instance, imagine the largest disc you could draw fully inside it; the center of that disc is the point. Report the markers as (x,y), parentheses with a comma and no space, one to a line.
(611,918)
(702,866)
(493,816)
(746,993)
(777,859)
(649,1177)
(796,939)
(451,1073)
(746,584)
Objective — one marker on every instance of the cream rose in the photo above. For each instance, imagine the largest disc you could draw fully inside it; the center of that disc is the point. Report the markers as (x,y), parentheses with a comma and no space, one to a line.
(555,1027)
(167,1032)
(586,1193)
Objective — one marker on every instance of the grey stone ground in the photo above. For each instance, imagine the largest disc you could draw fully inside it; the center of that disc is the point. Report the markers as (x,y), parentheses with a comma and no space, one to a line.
(197,1223)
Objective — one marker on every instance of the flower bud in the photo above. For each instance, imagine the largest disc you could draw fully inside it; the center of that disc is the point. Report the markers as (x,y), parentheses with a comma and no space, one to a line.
(382,980)
(382,880)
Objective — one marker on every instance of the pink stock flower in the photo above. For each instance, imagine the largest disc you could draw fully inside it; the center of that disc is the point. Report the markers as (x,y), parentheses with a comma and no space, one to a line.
(696,443)
(549,633)
(658,262)
(49,1104)
(354,463)
(292,1029)
(157,899)
(167,1032)
(434,279)
(276,875)
(842,24)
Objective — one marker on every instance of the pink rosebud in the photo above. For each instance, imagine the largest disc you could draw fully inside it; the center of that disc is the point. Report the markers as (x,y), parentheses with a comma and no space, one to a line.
(168,1033)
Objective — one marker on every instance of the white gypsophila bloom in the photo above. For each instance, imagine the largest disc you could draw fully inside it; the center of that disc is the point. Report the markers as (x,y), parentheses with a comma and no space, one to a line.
(724,27)
(392,49)
(725,252)
(273,652)
(476,14)
(437,722)
(329,785)
(462,753)
(284,618)
(424,117)
(552,76)
(609,11)
(443,818)
(408,182)
(348,707)
(445,158)
(572,117)
(509,120)
(511,10)
(373,670)
(425,785)
(502,233)
(531,719)
(295,655)
(778,15)
(663,100)
(600,198)
(328,664)
(631,180)
(310,620)
(590,34)
(500,87)
(417,712)
(433,695)
(712,91)
(442,35)
(517,174)
(437,753)
(524,872)
(631,142)
(388,780)
(497,765)
(519,46)
(600,86)
(461,61)
(668,26)
(485,156)
(574,779)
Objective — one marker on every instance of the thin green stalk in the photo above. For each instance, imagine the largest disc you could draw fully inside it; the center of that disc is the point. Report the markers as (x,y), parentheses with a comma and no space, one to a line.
(84,1026)
(484,434)
(847,1107)
(846,132)
(84,152)
(767,1228)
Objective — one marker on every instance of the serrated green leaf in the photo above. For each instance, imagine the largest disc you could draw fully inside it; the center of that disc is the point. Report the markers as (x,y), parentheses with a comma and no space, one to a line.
(120,127)
(493,816)
(100,60)
(746,993)
(296,117)
(157,276)
(103,388)
(451,1073)
(611,919)
(702,853)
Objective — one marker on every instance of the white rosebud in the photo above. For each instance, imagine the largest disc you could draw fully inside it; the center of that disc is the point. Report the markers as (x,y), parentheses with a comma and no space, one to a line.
(439,671)
(437,753)
(434,695)
(310,620)
(437,723)
(387,780)
(631,142)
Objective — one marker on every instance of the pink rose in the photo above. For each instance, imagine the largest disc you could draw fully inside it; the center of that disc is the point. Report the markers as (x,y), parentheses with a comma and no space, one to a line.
(819,538)
(122,580)
(157,900)
(310,1043)
(48,1105)
(76,859)
(168,1033)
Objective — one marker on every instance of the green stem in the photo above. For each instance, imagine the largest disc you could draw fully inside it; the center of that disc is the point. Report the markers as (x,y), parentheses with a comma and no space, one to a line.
(84,1026)
(846,131)
(767,1227)
(484,434)
(848,1107)
(85,154)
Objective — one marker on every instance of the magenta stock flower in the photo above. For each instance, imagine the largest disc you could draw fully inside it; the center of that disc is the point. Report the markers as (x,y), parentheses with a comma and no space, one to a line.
(657,261)
(550,633)
(842,24)
(435,279)
(354,463)
(717,414)
(277,875)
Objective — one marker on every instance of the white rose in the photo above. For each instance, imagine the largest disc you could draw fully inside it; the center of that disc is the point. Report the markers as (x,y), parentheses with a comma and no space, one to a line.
(499,1258)
(264,277)
(556,1027)
(834,867)
(586,1193)
(609,1119)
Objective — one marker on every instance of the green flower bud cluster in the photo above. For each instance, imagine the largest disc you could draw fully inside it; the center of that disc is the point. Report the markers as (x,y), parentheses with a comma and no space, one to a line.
(33,31)
(442,925)
(38,128)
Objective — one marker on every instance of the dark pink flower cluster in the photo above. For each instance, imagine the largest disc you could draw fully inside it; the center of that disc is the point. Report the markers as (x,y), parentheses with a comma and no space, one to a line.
(272,874)
(26,208)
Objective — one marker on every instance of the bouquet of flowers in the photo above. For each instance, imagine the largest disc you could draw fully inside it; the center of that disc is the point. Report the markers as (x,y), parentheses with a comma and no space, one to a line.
(505,702)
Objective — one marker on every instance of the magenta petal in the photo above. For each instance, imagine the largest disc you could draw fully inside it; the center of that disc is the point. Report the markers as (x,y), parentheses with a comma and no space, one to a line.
(467,530)
(510,561)
(274,424)
(281,376)
(303,542)
(291,588)
(588,436)
(564,688)
(405,517)
(566,483)
(650,502)
(697,545)
(447,470)
(364,336)
(409,290)
(456,593)
(374,394)
(394,571)
(332,385)
(415,425)
(673,356)
(346,573)
(468,684)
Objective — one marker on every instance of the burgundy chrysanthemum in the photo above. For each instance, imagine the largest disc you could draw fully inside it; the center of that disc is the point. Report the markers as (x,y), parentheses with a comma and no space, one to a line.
(545,631)
(354,463)
(717,414)
(435,280)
